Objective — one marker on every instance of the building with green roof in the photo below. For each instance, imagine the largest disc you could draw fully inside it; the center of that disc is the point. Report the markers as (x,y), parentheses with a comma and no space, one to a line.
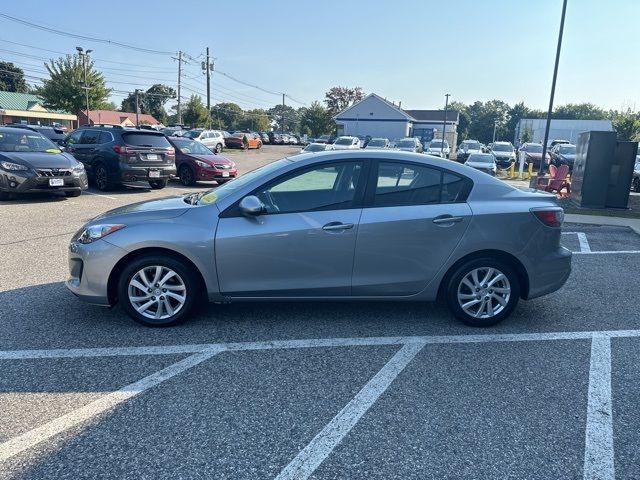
(27,108)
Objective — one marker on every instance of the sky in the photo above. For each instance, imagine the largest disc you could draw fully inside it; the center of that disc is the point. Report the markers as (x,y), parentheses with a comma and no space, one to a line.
(410,51)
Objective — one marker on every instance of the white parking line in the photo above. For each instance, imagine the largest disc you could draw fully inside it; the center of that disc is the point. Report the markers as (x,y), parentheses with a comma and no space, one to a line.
(98,195)
(310,457)
(44,432)
(609,252)
(598,452)
(585,248)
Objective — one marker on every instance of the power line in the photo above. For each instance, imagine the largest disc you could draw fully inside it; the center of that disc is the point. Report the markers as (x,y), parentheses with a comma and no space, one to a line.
(83,37)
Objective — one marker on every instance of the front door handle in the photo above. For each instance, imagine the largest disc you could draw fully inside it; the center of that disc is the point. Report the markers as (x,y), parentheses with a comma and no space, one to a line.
(447,220)
(337,226)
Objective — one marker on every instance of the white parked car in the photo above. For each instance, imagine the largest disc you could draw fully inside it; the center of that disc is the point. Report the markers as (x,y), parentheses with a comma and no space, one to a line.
(436,148)
(346,143)
(212,139)
(378,143)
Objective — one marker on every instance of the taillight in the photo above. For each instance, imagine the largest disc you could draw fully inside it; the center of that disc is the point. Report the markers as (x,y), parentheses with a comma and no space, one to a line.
(171,151)
(550,217)
(123,150)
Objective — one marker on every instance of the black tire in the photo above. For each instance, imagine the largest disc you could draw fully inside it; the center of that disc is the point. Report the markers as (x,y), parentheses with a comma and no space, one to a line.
(190,279)
(5,195)
(219,181)
(455,282)
(187,176)
(158,184)
(218,148)
(259,145)
(74,193)
(636,184)
(101,178)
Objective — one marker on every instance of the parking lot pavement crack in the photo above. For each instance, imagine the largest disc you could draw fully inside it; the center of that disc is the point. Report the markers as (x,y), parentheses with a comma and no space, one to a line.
(22,240)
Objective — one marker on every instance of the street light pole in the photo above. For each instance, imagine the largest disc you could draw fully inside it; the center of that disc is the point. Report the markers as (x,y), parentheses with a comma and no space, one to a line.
(84,56)
(137,108)
(444,123)
(495,125)
(553,90)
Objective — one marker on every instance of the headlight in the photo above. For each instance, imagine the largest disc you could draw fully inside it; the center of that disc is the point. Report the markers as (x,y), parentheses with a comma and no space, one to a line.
(202,164)
(13,166)
(96,232)
(79,168)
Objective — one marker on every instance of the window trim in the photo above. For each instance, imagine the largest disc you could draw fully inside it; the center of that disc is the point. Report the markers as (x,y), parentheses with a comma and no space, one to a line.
(233,210)
(372,184)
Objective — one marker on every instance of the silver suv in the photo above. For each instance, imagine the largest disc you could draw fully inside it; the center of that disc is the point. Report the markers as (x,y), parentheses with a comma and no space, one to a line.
(212,139)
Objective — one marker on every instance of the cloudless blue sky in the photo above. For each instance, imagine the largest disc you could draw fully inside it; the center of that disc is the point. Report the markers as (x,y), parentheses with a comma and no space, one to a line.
(409,51)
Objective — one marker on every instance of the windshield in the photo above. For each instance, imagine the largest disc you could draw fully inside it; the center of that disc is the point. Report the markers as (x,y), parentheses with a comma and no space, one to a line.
(567,150)
(192,134)
(377,142)
(193,147)
(437,144)
(344,141)
(502,148)
(470,145)
(223,191)
(534,148)
(23,141)
(406,144)
(315,147)
(481,158)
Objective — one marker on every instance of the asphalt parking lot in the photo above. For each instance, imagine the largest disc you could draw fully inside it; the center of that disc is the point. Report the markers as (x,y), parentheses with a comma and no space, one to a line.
(313,390)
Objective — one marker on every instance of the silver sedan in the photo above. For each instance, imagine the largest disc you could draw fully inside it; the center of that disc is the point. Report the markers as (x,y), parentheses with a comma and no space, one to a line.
(343,225)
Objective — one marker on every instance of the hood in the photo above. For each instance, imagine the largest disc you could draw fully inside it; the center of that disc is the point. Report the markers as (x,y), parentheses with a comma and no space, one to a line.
(481,165)
(169,207)
(211,159)
(40,159)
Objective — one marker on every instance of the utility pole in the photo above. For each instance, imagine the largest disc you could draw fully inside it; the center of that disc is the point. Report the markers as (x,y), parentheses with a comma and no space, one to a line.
(495,125)
(444,123)
(207,66)
(282,125)
(179,110)
(84,56)
(137,108)
(553,91)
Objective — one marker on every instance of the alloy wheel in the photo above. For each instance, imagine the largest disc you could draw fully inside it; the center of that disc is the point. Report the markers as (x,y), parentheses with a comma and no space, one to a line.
(157,292)
(186,176)
(484,292)
(101,177)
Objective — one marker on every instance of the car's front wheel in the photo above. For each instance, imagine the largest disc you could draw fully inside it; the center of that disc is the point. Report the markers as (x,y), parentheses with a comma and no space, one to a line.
(158,291)
(218,148)
(186,175)
(483,292)
(101,177)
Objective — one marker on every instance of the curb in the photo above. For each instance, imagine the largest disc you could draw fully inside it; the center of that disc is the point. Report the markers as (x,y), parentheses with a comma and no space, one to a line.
(632,223)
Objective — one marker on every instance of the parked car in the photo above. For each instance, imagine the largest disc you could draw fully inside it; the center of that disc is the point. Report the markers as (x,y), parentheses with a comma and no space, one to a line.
(115,155)
(436,148)
(467,148)
(314,147)
(364,140)
(265,138)
(212,139)
(300,229)
(635,181)
(563,154)
(532,153)
(378,143)
(504,152)
(485,162)
(325,139)
(409,144)
(56,135)
(31,163)
(235,140)
(555,142)
(293,140)
(195,162)
(346,143)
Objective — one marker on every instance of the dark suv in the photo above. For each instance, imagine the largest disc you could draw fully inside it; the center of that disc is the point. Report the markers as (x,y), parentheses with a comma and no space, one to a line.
(115,155)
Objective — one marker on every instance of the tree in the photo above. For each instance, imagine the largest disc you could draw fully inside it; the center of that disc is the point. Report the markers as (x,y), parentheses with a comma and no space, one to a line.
(256,120)
(286,118)
(63,90)
(152,101)
(484,116)
(579,111)
(195,113)
(463,119)
(527,135)
(226,115)
(627,125)
(339,98)
(316,120)
(12,78)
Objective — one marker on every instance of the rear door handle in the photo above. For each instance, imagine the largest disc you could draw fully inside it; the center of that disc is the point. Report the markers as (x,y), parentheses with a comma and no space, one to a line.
(337,226)
(447,219)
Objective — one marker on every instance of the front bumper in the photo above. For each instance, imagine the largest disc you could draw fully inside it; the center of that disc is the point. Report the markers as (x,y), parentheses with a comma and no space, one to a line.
(27,181)
(89,268)
(134,173)
(505,162)
(216,174)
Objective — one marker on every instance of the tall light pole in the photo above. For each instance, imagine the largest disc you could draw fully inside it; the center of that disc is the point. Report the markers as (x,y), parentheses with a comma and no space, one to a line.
(553,90)
(137,108)
(495,125)
(84,56)
(444,123)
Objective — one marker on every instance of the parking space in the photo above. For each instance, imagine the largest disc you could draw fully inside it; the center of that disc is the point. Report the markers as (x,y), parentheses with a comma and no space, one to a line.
(313,390)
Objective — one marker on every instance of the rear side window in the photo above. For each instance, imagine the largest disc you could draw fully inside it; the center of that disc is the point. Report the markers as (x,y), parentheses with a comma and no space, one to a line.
(90,137)
(146,140)
(105,137)
(407,184)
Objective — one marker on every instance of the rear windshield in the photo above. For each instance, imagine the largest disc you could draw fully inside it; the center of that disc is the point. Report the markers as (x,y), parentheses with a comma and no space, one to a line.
(377,143)
(406,144)
(146,140)
(534,148)
(344,141)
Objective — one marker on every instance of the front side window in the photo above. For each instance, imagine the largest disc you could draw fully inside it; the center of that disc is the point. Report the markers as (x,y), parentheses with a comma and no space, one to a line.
(326,187)
(406,184)
(74,137)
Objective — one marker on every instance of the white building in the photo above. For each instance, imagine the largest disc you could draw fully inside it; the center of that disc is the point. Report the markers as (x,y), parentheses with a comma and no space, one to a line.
(376,117)
(559,129)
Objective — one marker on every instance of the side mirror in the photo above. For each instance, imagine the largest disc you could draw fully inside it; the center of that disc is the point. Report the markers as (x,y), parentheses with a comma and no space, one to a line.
(251,206)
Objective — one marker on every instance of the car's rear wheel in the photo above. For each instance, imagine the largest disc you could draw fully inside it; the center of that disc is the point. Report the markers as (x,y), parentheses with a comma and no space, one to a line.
(158,184)
(158,291)
(636,184)
(5,195)
(259,145)
(187,177)
(483,292)
(218,148)
(101,177)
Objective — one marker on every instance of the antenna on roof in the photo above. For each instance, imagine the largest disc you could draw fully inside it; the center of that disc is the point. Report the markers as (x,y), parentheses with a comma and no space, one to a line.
(400,104)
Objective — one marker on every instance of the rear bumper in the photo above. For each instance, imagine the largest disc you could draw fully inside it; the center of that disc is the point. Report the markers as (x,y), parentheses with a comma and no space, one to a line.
(549,273)
(133,173)
(28,182)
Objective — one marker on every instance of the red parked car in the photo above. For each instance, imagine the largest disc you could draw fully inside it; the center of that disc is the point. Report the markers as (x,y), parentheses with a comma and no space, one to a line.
(195,162)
